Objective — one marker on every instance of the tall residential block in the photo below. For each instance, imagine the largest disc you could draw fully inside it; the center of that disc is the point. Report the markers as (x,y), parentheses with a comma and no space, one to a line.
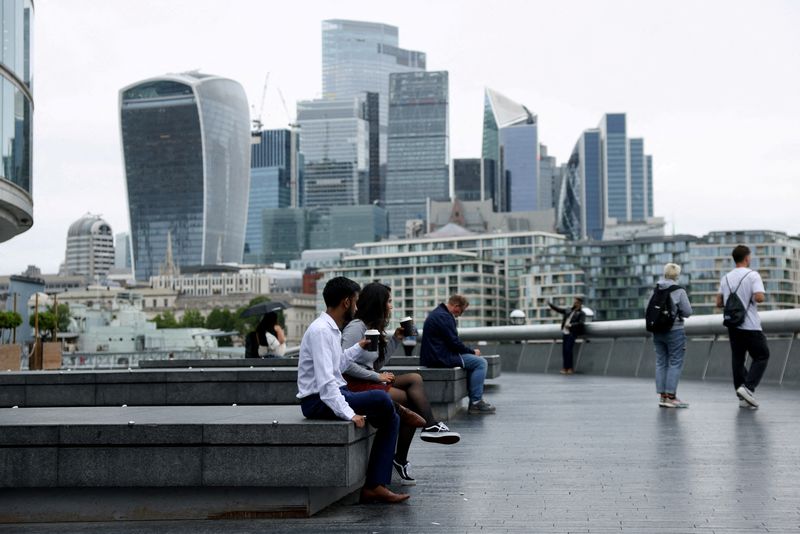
(419,146)
(16,119)
(511,153)
(186,151)
(90,247)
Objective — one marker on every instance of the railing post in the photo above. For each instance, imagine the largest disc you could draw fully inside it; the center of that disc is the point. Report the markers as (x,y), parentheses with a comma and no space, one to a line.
(788,354)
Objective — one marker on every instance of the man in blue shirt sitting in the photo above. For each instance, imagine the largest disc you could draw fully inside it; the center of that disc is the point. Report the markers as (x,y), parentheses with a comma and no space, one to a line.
(441,347)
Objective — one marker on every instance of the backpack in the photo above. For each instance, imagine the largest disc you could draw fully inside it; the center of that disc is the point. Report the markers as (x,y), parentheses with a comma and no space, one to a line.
(659,317)
(735,311)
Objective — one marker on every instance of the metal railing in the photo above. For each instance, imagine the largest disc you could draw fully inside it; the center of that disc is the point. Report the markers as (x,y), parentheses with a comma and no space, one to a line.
(772,322)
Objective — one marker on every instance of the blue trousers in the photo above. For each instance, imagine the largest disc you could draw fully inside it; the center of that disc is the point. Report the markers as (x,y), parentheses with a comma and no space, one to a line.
(670,349)
(476,375)
(378,407)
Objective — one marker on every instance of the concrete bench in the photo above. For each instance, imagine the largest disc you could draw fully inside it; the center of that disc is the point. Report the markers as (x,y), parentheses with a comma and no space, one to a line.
(213,362)
(493,369)
(177,462)
(446,388)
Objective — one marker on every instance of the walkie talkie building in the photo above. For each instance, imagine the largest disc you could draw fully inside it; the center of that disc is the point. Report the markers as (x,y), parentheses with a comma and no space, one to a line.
(186,149)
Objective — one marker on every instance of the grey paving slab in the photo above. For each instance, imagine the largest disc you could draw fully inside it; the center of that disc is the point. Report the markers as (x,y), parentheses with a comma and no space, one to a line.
(576,453)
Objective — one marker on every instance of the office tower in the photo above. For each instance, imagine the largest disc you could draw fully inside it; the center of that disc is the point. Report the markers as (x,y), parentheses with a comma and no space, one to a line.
(649,178)
(375,174)
(122,251)
(581,200)
(616,172)
(90,247)
(549,179)
(16,117)
(335,141)
(467,179)
(419,146)
(186,150)
(358,57)
(638,170)
(510,152)
(273,161)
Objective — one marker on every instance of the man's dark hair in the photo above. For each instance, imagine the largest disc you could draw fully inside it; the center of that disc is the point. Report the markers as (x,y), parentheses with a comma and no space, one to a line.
(740,252)
(337,289)
(579,299)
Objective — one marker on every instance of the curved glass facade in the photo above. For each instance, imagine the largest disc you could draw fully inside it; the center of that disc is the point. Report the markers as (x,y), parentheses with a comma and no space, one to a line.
(16,118)
(186,147)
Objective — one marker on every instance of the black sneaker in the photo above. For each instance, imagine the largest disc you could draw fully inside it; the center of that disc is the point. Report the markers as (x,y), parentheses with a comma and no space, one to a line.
(402,471)
(439,433)
(480,408)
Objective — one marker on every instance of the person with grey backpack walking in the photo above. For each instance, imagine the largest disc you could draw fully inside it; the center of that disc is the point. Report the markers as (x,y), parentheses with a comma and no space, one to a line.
(740,292)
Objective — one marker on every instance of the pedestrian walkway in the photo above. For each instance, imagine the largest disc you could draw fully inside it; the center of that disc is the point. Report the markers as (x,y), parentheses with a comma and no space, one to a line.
(579,454)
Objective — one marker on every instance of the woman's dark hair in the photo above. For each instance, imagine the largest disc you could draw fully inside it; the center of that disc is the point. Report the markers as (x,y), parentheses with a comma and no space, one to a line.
(267,324)
(372,303)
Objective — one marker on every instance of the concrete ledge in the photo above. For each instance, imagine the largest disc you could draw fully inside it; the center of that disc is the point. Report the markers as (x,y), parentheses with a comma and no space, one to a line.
(211,362)
(204,462)
(493,368)
(193,387)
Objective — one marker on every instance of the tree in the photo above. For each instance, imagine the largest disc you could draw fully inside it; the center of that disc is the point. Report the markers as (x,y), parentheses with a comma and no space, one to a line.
(9,320)
(165,320)
(221,319)
(50,319)
(192,319)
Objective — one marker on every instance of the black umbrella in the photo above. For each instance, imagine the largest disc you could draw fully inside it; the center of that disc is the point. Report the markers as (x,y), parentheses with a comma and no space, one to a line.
(265,308)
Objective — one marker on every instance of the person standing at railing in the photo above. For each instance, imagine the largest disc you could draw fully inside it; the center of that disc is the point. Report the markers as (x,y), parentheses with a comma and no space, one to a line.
(740,292)
(572,325)
(670,304)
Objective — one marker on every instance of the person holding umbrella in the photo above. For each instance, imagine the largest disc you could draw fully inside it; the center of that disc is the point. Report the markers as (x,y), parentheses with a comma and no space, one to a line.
(268,340)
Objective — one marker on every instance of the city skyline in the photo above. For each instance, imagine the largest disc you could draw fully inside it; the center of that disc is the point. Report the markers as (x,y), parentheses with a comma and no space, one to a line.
(713,102)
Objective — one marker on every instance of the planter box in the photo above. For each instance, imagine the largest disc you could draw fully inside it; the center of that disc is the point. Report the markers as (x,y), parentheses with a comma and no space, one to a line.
(10,357)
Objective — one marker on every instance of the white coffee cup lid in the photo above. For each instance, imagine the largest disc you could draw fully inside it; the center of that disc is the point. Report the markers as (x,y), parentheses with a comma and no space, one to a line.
(372,333)
(404,319)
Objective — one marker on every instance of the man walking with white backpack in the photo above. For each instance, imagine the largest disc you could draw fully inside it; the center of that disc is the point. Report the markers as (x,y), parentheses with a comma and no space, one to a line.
(740,292)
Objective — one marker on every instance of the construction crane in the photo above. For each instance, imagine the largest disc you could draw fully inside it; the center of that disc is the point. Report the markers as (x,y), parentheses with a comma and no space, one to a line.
(257,122)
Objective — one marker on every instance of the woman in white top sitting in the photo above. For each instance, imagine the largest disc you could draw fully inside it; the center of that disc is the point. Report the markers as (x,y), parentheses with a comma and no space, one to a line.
(271,338)
(374,309)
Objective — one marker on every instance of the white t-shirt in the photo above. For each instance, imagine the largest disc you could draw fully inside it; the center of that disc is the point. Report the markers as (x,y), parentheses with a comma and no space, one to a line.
(751,284)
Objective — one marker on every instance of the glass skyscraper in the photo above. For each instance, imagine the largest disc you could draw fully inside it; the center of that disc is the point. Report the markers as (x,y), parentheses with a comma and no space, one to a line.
(615,166)
(335,141)
(510,153)
(638,172)
(16,119)
(186,151)
(358,57)
(580,205)
(418,168)
(273,158)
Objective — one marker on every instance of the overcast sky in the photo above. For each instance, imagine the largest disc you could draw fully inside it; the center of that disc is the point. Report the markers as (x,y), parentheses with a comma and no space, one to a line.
(712,86)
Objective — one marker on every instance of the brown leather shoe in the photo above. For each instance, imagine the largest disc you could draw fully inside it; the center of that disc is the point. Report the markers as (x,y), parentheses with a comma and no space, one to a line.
(409,418)
(382,494)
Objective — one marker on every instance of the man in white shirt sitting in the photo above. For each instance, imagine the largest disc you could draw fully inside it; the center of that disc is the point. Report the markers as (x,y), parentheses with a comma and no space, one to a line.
(323,393)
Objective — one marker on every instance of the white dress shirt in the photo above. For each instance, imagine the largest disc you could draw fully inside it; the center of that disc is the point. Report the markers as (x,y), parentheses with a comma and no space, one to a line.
(321,362)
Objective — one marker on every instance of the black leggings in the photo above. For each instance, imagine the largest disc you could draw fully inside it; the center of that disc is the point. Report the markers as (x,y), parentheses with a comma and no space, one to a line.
(409,391)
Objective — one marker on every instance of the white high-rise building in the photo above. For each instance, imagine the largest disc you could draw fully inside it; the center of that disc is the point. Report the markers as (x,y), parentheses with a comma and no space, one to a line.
(90,247)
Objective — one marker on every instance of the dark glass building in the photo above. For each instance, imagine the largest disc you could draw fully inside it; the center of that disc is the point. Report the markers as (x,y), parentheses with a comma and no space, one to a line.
(467,178)
(419,145)
(273,160)
(186,150)
(580,206)
(16,118)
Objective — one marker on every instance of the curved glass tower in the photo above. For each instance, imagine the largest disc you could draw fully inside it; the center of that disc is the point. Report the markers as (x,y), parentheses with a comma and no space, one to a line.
(186,149)
(16,118)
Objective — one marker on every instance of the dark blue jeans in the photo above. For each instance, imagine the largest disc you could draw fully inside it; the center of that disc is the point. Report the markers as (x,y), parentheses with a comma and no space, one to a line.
(566,350)
(378,407)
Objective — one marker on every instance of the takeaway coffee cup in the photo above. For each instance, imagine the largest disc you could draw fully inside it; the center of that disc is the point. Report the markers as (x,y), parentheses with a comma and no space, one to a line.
(372,336)
(408,327)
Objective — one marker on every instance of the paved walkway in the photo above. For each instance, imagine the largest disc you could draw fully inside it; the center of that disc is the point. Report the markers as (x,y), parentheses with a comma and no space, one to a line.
(579,454)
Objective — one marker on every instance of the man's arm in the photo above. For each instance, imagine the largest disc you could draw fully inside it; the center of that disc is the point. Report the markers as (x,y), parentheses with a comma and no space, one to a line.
(556,309)
(758,289)
(451,340)
(720,303)
(320,348)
